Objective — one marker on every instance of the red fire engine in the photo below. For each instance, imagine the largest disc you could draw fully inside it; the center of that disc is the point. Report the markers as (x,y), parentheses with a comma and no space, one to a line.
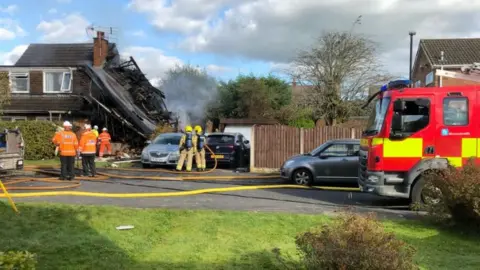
(413,130)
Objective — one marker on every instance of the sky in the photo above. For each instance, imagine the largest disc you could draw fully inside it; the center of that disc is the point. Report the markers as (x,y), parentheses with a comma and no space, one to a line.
(231,37)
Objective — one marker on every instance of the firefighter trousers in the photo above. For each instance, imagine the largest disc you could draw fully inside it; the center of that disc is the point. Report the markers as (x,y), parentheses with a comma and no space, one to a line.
(200,159)
(88,164)
(102,149)
(67,170)
(188,155)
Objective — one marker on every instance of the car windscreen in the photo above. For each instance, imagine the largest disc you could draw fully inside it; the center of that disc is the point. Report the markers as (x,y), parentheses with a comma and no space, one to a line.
(220,139)
(167,139)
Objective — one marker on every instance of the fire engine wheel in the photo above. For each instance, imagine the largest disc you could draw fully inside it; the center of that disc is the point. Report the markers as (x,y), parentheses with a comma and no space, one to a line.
(424,195)
(302,177)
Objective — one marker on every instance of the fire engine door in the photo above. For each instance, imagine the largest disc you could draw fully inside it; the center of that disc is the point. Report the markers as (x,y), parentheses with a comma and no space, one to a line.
(456,134)
(412,126)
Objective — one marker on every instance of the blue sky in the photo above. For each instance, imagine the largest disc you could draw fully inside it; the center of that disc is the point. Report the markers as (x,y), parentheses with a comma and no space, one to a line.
(131,30)
(229,37)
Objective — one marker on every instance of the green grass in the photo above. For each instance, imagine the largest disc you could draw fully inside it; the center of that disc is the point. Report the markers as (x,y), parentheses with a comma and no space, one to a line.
(56,161)
(84,237)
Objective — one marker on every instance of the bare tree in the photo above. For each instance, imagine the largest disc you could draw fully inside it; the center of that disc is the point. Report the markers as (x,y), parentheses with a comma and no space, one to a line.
(339,67)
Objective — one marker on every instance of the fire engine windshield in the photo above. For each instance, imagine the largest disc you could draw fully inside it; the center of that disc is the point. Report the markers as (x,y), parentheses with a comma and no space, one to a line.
(377,117)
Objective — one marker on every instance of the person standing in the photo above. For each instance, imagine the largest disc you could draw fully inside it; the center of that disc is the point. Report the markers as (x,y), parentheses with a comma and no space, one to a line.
(105,142)
(200,149)
(88,149)
(186,150)
(95,130)
(67,144)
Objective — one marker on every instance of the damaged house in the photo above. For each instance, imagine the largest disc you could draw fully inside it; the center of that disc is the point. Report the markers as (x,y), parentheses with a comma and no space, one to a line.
(58,82)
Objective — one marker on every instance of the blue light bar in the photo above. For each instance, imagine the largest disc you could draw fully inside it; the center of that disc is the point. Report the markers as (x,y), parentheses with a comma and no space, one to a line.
(395,84)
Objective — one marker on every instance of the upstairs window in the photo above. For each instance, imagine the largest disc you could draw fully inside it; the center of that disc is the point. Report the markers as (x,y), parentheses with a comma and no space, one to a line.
(19,82)
(57,81)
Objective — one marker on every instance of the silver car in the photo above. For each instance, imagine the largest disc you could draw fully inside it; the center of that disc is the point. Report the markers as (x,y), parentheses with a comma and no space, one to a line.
(163,150)
(335,161)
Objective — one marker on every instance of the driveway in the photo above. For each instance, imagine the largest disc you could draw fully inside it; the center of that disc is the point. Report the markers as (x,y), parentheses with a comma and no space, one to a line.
(306,201)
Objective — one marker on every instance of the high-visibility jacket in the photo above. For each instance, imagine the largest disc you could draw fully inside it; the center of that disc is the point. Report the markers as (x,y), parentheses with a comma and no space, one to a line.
(95,132)
(88,143)
(67,143)
(104,138)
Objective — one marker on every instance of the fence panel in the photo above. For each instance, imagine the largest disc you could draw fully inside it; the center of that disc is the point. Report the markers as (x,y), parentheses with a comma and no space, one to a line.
(273,144)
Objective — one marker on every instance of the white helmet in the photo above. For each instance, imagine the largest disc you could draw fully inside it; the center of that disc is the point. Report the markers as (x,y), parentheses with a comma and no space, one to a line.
(87,126)
(95,127)
(104,129)
(67,124)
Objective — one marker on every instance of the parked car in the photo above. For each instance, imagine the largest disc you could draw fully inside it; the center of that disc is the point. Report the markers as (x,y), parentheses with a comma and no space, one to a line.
(335,161)
(11,150)
(229,149)
(163,150)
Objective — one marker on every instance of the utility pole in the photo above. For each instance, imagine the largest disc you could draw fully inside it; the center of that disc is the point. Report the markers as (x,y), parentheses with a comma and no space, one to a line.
(411,33)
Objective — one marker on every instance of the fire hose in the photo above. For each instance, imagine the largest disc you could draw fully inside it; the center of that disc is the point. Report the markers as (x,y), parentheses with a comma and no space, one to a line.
(10,185)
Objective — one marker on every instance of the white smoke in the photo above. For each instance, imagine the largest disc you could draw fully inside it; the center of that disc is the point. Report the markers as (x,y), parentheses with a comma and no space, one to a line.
(188,91)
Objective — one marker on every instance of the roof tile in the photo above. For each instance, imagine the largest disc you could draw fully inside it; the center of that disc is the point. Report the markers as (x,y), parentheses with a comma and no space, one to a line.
(457,51)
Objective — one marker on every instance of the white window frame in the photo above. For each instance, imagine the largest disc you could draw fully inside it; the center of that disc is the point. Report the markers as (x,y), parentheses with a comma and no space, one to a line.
(15,118)
(64,73)
(12,75)
(42,118)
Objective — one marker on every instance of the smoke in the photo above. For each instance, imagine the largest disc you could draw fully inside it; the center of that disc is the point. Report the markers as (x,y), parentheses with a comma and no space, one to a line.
(188,92)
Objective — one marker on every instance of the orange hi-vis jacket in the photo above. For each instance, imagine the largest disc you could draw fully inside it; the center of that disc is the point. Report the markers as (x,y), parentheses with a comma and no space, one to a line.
(67,143)
(88,143)
(104,138)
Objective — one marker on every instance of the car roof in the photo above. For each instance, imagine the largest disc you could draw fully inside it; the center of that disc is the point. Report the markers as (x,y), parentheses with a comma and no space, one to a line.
(223,133)
(350,141)
(171,134)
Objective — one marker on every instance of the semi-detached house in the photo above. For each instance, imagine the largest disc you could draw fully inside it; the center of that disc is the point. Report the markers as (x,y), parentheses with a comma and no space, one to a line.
(83,81)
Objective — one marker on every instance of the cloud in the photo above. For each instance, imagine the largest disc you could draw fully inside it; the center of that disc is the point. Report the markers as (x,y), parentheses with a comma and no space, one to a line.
(275,30)
(52,11)
(215,69)
(138,33)
(10,29)
(70,28)
(9,9)
(9,58)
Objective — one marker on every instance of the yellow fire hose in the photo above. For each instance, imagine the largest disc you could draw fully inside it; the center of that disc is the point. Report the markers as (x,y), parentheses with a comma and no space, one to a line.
(105,176)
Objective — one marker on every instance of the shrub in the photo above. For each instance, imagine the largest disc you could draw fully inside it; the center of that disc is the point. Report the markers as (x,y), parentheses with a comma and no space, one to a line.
(354,242)
(162,128)
(17,260)
(302,123)
(37,136)
(457,194)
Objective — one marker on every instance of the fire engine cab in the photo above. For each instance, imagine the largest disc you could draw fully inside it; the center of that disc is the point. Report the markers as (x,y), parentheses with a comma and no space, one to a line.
(413,130)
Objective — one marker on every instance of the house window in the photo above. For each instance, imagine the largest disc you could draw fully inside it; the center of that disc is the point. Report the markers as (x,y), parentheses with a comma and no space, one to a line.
(42,118)
(19,82)
(19,118)
(57,81)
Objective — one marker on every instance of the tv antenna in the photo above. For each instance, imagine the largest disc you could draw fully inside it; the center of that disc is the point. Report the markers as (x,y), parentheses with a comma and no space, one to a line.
(111,33)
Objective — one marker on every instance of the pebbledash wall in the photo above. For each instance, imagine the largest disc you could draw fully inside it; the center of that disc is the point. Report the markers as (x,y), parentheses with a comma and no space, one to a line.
(271,145)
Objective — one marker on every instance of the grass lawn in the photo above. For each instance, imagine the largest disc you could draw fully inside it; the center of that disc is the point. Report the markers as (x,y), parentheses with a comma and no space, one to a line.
(56,161)
(84,237)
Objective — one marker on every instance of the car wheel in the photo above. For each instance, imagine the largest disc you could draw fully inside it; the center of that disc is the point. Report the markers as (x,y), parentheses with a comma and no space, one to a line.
(302,177)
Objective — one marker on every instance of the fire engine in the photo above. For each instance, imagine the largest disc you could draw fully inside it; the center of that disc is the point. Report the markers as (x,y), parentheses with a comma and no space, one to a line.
(414,130)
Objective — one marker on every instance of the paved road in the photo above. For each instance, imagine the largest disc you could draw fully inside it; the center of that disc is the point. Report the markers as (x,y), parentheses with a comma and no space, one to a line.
(282,200)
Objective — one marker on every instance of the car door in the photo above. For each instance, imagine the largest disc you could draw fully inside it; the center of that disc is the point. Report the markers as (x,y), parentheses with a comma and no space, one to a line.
(349,172)
(332,163)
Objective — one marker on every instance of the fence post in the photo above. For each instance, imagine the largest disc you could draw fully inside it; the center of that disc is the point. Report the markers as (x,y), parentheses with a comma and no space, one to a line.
(252,149)
(302,141)
(352,132)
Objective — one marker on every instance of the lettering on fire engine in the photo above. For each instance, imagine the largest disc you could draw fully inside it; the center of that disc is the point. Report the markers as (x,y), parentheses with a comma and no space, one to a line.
(446,132)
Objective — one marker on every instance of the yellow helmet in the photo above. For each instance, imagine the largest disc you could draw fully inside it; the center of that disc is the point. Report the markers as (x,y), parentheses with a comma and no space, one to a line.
(198,129)
(188,129)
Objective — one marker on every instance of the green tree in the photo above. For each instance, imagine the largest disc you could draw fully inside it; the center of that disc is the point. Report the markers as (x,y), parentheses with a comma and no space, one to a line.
(250,97)
(4,89)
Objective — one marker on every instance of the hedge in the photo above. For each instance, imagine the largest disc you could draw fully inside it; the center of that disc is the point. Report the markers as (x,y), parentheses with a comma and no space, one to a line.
(37,136)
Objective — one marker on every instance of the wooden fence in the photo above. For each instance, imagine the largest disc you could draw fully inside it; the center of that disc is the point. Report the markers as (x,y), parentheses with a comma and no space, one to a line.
(273,144)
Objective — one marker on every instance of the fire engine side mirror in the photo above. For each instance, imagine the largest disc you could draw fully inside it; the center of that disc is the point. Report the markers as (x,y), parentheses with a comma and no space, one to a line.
(398,105)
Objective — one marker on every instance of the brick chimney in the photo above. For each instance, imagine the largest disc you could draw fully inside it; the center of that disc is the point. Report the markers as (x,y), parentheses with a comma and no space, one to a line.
(100,49)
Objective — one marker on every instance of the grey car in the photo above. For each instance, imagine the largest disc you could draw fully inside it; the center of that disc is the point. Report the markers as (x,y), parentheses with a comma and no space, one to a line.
(335,161)
(163,150)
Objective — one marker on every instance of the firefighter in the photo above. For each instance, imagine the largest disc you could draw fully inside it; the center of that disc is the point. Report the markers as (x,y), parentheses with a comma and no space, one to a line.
(67,144)
(186,149)
(88,149)
(200,149)
(104,140)
(95,130)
